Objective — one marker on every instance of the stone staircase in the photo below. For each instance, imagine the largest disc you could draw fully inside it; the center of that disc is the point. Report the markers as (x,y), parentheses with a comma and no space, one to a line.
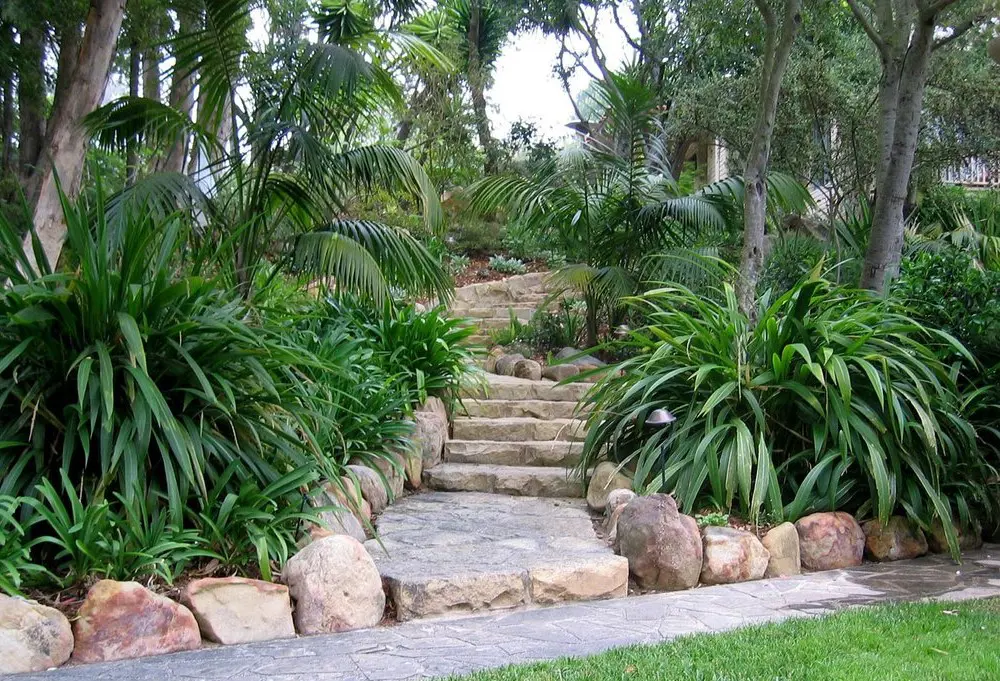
(503,524)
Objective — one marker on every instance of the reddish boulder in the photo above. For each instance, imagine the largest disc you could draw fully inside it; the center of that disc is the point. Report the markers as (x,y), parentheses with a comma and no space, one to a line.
(663,546)
(119,620)
(829,541)
(897,539)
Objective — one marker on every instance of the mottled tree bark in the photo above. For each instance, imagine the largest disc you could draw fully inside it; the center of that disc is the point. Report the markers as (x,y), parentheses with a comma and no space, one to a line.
(477,88)
(777,48)
(62,158)
(181,97)
(134,78)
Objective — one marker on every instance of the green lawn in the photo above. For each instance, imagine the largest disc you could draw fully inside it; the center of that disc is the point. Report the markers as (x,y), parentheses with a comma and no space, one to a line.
(910,642)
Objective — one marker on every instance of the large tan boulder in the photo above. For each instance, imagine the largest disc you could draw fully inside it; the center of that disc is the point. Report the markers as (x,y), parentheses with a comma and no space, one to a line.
(505,364)
(605,479)
(335,516)
(617,500)
(969,538)
(413,468)
(782,544)
(560,372)
(430,432)
(373,489)
(829,541)
(33,637)
(731,555)
(336,586)
(663,546)
(528,369)
(896,539)
(121,620)
(237,610)
(434,405)
(586,578)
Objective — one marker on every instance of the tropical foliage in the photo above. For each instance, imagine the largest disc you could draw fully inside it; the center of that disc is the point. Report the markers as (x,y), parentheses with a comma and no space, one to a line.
(833,399)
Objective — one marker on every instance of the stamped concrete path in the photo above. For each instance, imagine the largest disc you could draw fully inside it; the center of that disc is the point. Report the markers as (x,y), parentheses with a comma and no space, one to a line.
(440,647)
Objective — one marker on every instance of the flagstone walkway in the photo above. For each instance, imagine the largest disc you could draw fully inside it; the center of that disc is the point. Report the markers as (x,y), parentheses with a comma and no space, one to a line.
(439,647)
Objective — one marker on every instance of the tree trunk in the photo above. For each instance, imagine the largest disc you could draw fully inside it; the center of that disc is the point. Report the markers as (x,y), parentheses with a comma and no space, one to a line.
(7,113)
(885,245)
(134,76)
(151,73)
(181,97)
(31,101)
(477,86)
(63,156)
(776,52)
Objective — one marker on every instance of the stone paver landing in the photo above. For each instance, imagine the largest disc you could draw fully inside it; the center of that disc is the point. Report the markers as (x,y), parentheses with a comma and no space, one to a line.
(435,648)
(464,552)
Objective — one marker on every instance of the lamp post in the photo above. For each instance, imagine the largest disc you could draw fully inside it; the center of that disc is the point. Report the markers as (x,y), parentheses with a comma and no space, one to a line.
(659,419)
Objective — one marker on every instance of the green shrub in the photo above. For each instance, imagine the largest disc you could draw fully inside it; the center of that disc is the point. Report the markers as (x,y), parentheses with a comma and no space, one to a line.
(834,399)
(792,256)
(16,562)
(499,263)
(458,263)
(554,330)
(130,375)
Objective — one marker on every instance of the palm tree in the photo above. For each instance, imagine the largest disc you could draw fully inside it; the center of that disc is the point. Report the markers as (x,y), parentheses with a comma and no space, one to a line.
(613,203)
(279,190)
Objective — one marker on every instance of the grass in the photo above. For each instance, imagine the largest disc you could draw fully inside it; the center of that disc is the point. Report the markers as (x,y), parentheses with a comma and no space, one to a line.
(926,641)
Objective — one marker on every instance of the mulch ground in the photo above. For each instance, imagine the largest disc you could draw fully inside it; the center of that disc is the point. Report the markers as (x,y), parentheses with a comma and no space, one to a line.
(479,271)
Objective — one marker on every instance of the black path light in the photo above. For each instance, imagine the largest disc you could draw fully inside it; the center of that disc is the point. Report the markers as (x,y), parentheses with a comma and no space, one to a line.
(659,419)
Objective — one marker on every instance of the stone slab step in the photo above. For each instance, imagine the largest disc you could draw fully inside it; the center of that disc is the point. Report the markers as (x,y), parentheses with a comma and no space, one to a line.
(514,429)
(537,409)
(442,553)
(555,453)
(498,312)
(517,481)
(510,388)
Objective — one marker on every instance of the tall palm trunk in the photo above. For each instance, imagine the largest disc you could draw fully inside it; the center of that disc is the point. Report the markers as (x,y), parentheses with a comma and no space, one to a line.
(62,159)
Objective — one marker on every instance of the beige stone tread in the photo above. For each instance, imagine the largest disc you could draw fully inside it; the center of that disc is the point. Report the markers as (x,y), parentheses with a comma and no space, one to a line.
(510,388)
(515,429)
(523,481)
(524,313)
(551,453)
(454,553)
(537,409)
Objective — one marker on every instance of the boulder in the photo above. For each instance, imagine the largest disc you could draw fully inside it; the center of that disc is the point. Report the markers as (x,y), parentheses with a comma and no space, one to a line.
(336,587)
(969,538)
(393,467)
(829,541)
(505,364)
(560,372)
(490,363)
(896,539)
(434,405)
(605,479)
(413,469)
(337,518)
(373,489)
(731,556)
(617,500)
(529,369)
(430,432)
(121,620)
(663,546)
(237,610)
(585,578)
(585,361)
(782,543)
(33,637)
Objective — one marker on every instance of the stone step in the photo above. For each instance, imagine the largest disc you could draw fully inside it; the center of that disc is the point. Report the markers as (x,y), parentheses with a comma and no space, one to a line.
(512,288)
(517,481)
(442,553)
(552,453)
(510,388)
(498,312)
(537,409)
(514,429)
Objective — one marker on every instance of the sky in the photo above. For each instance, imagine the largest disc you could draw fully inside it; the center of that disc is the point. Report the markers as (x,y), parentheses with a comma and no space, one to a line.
(526,88)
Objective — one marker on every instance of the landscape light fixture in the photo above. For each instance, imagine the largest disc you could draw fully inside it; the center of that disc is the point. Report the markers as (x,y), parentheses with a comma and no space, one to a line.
(659,419)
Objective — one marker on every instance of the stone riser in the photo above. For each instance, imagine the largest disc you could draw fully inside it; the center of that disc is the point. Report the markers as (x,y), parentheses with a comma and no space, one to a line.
(518,429)
(593,578)
(537,409)
(513,453)
(494,312)
(530,390)
(518,481)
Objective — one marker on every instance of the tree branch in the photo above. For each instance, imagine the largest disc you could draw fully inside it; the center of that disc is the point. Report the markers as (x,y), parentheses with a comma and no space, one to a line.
(928,12)
(868,28)
(770,20)
(957,32)
(628,38)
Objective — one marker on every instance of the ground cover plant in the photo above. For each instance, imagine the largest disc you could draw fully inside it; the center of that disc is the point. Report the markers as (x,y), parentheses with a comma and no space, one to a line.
(902,641)
(831,399)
